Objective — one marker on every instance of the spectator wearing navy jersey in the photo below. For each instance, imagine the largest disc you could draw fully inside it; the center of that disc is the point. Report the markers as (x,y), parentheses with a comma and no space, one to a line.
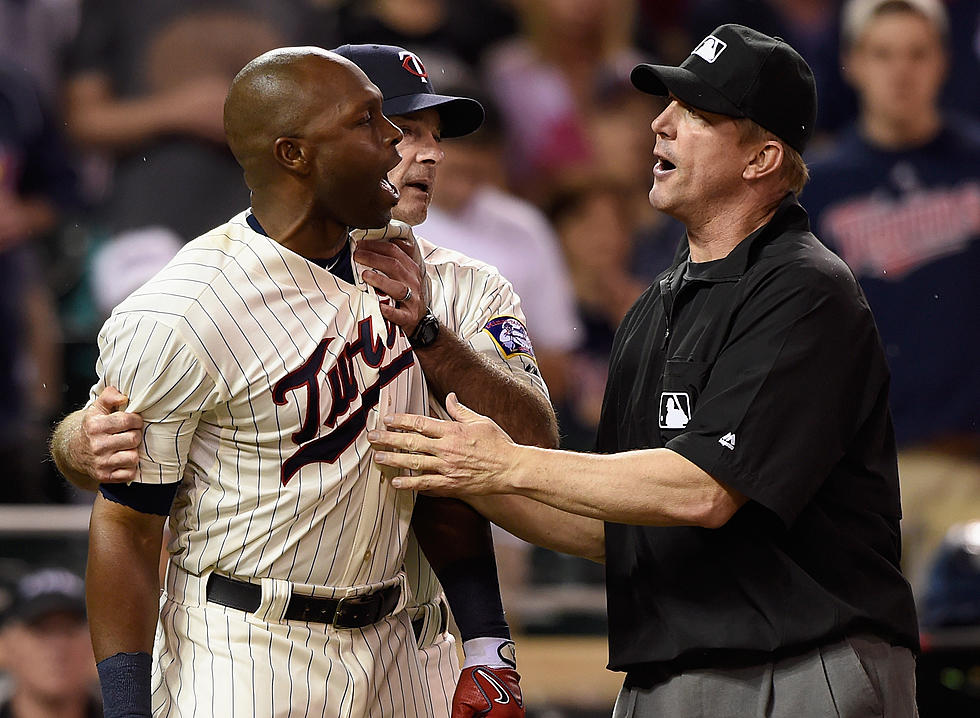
(898,198)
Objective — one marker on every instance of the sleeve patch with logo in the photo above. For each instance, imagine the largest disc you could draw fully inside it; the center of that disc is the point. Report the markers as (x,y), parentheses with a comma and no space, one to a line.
(510,335)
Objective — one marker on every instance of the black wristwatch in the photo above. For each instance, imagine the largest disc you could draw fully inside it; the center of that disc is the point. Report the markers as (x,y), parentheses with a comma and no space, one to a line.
(426,331)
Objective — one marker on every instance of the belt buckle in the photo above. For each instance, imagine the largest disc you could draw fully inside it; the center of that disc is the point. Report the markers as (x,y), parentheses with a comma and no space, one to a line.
(356,608)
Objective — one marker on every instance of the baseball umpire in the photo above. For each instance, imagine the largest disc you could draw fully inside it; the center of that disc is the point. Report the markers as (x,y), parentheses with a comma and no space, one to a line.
(470,301)
(751,538)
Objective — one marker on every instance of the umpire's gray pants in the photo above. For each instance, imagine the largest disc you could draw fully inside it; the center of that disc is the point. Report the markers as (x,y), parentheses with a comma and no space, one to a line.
(858,677)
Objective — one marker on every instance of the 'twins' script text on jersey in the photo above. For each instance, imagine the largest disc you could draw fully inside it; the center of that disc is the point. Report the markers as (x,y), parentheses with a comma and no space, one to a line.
(344,389)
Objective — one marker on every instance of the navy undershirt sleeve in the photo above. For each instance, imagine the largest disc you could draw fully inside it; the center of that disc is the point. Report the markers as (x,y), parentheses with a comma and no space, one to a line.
(125,681)
(473,592)
(145,498)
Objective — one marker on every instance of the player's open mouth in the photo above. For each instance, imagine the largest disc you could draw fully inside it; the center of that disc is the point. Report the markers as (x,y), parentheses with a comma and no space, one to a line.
(420,185)
(388,187)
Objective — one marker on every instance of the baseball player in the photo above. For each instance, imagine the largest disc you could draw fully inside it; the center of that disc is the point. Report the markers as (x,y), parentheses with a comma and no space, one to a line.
(473,304)
(257,370)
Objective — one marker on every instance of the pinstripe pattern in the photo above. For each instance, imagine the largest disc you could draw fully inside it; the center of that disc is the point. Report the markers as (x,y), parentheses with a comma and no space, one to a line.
(440,669)
(216,661)
(465,294)
(200,350)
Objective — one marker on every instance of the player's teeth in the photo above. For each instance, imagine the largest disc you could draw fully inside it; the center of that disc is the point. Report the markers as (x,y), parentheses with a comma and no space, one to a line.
(388,186)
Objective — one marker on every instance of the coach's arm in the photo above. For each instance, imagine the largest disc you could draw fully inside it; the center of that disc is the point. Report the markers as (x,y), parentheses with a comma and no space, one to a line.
(449,363)
(452,365)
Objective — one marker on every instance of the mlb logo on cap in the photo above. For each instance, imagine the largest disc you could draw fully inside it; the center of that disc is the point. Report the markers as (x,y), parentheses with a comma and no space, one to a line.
(710,48)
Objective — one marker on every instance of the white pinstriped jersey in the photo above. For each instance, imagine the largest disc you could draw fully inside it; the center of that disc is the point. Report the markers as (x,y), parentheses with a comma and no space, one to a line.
(474,301)
(257,374)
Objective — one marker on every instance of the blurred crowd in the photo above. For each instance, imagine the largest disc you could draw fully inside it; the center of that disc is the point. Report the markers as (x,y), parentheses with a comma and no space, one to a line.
(46,663)
(112,156)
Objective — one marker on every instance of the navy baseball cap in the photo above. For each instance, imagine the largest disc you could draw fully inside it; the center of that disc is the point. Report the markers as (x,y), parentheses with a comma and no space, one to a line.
(43,592)
(741,72)
(406,87)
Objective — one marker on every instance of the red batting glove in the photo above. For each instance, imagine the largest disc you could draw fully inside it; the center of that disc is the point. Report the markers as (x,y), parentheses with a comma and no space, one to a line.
(488,692)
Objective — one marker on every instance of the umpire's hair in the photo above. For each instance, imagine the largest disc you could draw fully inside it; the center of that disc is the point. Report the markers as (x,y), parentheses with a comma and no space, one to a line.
(794,171)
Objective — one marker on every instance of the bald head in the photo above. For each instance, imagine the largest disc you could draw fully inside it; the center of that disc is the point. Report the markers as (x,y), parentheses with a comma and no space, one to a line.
(306,126)
(275,95)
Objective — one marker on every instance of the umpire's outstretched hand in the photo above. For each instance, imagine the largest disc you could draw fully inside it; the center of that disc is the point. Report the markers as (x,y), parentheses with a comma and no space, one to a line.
(466,457)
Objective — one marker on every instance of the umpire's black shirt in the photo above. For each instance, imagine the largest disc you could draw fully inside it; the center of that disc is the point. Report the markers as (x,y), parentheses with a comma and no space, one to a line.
(765,369)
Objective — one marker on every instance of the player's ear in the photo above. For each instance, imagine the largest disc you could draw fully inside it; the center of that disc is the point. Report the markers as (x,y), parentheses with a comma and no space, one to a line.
(293,154)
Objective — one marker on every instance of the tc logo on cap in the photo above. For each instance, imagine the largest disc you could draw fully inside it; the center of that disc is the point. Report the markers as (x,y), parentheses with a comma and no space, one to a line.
(710,48)
(412,63)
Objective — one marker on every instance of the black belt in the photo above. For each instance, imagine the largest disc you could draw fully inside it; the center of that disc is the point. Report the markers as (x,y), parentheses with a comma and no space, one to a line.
(345,612)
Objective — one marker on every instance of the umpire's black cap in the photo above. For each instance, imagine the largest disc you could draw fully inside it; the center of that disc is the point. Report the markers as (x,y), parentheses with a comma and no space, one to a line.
(741,72)
(406,87)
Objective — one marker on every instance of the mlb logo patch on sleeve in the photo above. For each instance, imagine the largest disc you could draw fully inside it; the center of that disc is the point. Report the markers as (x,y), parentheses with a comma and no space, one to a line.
(510,335)
(675,410)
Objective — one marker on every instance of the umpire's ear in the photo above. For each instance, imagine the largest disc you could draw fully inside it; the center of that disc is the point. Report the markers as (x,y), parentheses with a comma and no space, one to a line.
(293,154)
(765,160)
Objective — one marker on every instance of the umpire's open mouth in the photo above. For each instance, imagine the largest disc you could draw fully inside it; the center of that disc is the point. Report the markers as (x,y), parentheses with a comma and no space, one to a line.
(662,166)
